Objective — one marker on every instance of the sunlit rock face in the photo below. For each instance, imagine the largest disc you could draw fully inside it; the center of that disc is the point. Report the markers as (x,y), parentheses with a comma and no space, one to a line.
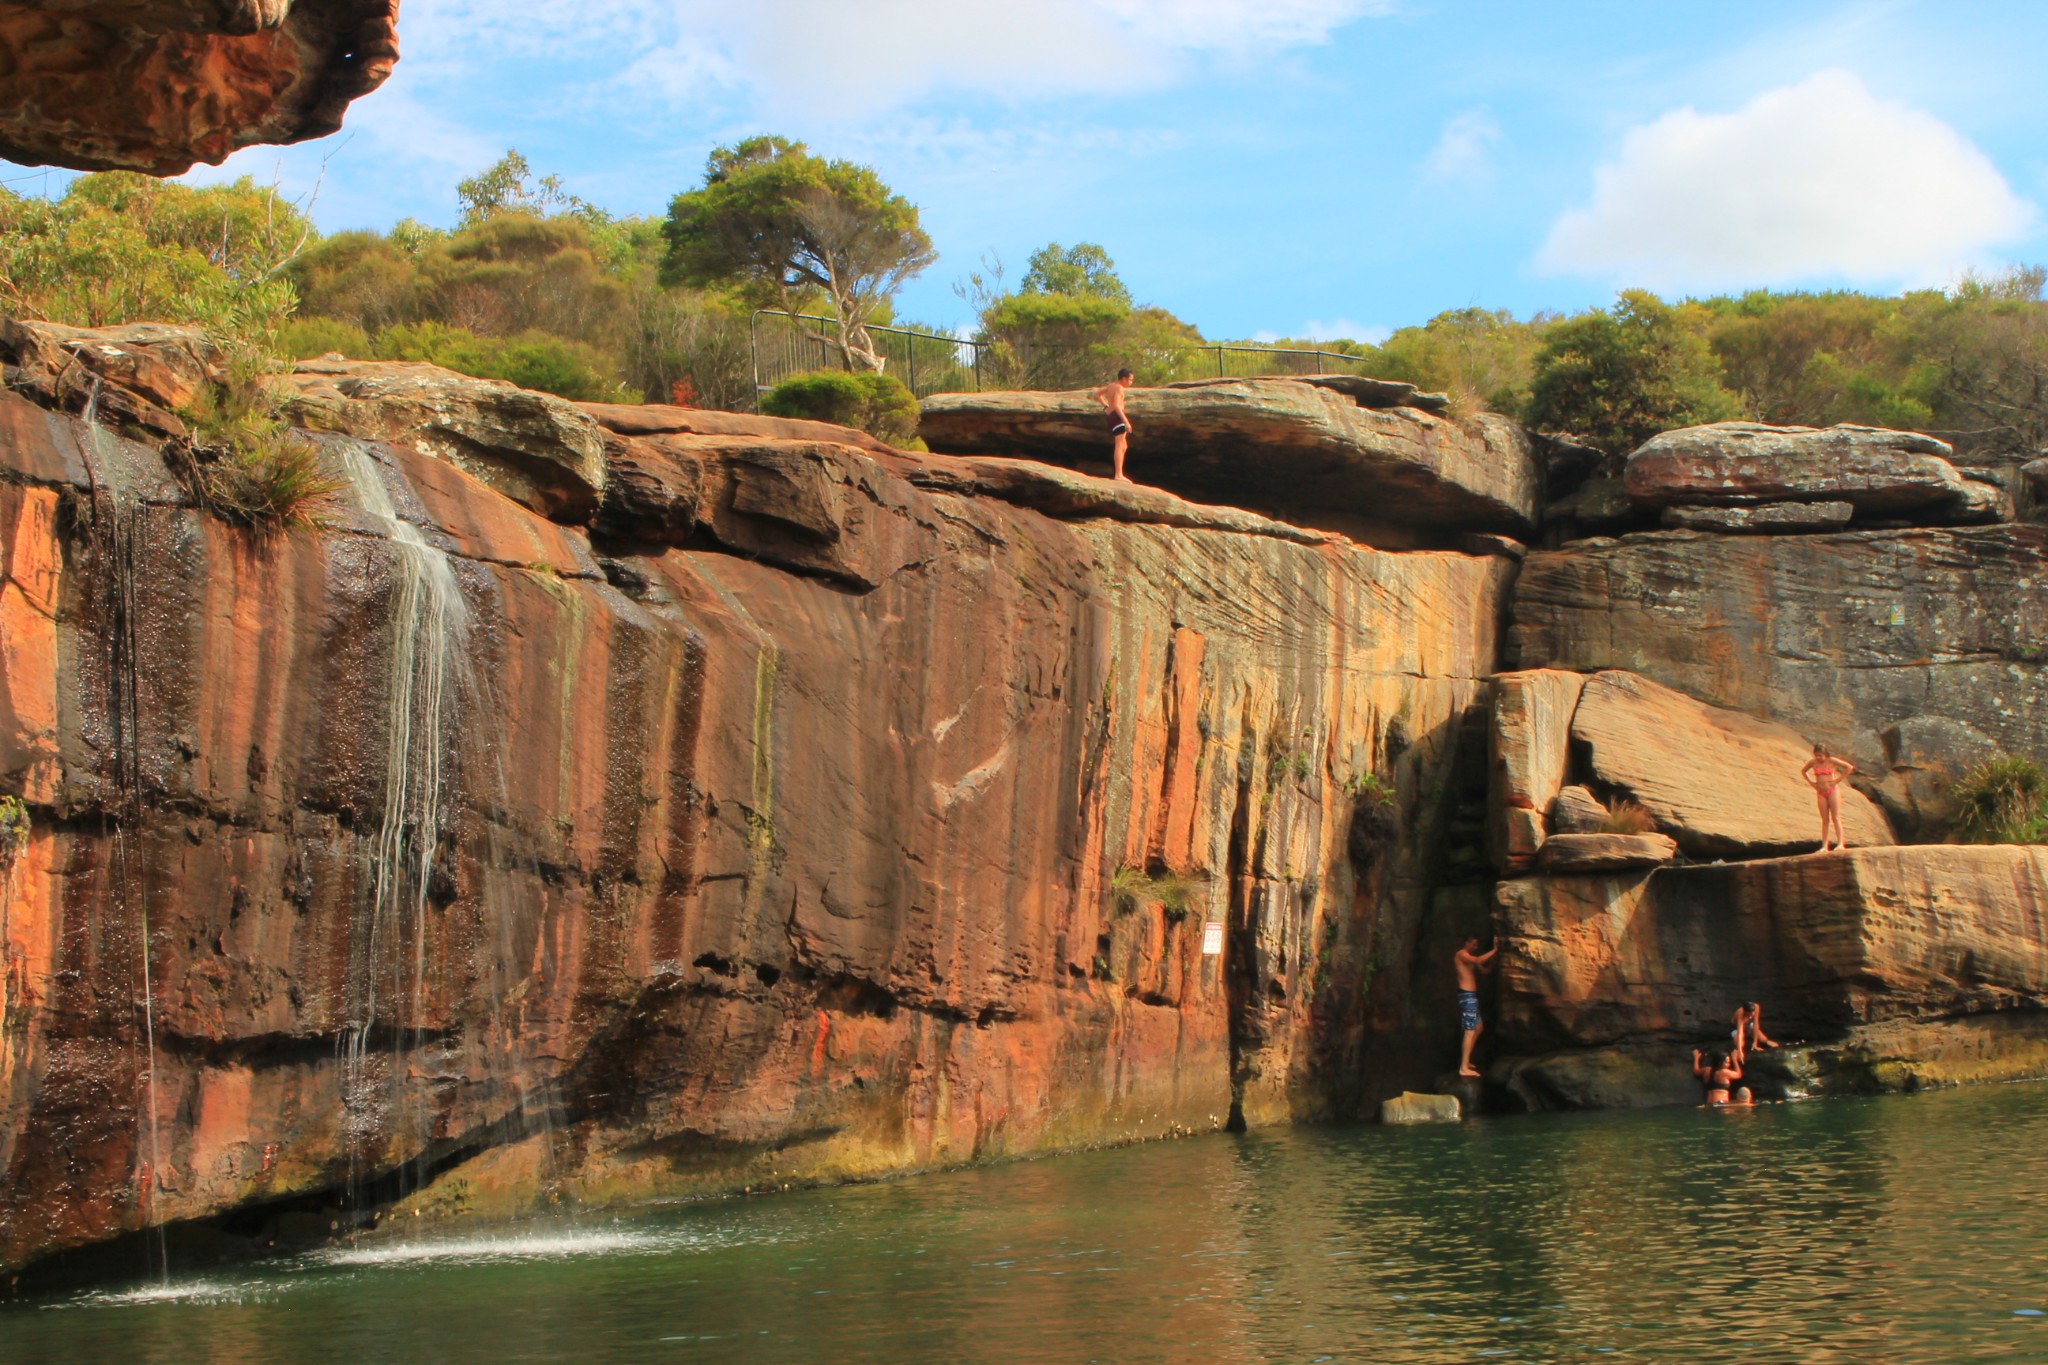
(159,85)
(820,811)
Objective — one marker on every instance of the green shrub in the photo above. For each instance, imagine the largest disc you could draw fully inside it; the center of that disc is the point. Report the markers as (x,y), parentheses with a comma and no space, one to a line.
(2004,801)
(876,403)
(1130,887)
(305,338)
(14,827)
(532,359)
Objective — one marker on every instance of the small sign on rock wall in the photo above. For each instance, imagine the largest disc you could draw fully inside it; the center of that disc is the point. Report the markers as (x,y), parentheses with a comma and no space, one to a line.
(1212,940)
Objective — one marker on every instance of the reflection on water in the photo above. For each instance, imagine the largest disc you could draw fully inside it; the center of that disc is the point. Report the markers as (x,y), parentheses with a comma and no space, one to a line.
(1906,1229)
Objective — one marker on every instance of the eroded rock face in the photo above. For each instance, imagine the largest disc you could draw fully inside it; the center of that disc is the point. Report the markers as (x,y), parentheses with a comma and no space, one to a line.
(1606,983)
(538,450)
(1841,637)
(1307,453)
(1880,473)
(1530,747)
(157,85)
(1772,519)
(793,856)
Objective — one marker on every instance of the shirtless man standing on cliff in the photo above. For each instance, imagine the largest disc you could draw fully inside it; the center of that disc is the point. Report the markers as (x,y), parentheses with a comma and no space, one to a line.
(1825,774)
(1111,396)
(1471,962)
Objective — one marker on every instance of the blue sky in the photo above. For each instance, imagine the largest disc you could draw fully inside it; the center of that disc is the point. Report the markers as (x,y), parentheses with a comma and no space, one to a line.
(1271,166)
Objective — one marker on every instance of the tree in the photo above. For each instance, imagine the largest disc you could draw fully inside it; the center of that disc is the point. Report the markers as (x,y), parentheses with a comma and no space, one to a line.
(506,186)
(790,227)
(1083,270)
(1617,378)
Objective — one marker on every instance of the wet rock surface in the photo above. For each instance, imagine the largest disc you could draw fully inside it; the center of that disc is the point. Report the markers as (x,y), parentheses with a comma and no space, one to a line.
(1304,452)
(157,85)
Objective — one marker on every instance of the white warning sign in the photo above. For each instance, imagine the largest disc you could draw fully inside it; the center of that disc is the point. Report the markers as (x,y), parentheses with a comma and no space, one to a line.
(1212,940)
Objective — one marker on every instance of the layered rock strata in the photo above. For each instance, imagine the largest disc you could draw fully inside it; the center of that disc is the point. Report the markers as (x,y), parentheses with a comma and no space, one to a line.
(1883,968)
(157,85)
(1910,651)
(1315,453)
(823,811)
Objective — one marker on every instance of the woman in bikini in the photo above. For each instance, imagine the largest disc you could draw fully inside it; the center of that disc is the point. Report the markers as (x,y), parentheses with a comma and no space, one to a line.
(1719,1078)
(1825,774)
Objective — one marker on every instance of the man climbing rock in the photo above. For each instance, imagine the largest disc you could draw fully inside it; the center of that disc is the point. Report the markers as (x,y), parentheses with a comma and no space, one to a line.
(1111,396)
(1471,962)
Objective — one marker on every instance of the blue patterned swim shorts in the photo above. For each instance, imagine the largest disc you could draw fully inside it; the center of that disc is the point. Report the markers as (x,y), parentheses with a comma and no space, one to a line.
(1468,1010)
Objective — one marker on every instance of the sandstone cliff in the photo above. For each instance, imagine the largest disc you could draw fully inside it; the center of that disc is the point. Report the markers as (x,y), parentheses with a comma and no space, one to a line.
(824,811)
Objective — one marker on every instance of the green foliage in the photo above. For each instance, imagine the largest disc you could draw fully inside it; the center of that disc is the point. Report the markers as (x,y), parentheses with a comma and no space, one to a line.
(532,359)
(1083,270)
(876,403)
(1482,358)
(1068,341)
(507,186)
(2004,801)
(14,829)
(1619,377)
(242,461)
(120,247)
(1627,816)
(788,226)
(305,338)
(1175,892)
(1369,788)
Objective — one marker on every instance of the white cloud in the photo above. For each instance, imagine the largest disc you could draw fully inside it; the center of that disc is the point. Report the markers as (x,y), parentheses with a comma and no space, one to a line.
(1463,154)
(1814,181)
(1342,329)
(852,59)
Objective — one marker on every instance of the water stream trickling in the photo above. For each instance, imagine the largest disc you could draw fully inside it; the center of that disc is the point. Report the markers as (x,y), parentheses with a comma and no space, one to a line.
(429,676)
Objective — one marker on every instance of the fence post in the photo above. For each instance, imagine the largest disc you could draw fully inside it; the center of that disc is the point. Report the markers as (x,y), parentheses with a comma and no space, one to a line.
(911,338)
(1219,362)
(754,354)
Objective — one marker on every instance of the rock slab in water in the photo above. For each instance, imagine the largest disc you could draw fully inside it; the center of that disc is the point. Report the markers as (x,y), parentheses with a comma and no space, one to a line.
(1724,784)
(536,449)
(1297,451)
(1772,519)
(1734,464)
(1563,853)
(1411,1107)
(156,85)
(1839,636)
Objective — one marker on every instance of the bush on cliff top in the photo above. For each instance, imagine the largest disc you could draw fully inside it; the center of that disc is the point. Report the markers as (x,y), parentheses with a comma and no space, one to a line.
(2004,801)
(874,402)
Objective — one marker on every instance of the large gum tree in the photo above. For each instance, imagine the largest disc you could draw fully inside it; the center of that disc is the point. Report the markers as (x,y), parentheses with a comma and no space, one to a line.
(792,228)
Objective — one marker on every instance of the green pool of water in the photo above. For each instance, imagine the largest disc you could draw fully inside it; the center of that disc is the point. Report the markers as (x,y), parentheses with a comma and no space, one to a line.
(1902,1229)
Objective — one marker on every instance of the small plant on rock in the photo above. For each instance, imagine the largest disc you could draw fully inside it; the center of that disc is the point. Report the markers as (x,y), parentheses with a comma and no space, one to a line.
(1369,789)
(1627,816)
(1128,886)
(14,827)
(2004,801)
(242,461)
(879,404)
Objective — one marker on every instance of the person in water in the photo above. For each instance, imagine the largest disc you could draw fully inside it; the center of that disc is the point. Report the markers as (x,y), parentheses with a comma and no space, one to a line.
(1471,962)
(1825,774)
(1111,396)
(1719,1077)
(1749,1032)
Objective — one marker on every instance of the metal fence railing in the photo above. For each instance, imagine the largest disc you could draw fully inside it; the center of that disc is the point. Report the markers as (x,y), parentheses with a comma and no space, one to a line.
(929,362)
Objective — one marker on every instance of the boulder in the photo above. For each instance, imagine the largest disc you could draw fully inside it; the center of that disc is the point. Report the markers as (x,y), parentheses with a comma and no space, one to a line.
(2036,474)
(535,448)
(1771,519)
(156,85)
(1564,853)
(1302,452)
(1723,784)
(1926,756)
(1841,950)
(1411,1107)
(1577,811)
(1529,746)
(1839,636)
(1735,464)
(137,375)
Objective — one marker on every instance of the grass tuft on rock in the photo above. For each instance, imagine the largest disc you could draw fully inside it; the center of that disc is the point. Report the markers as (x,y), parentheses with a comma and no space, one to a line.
(1174,892)
(1627,816)
(14,828)
(242,461)
(2004,801)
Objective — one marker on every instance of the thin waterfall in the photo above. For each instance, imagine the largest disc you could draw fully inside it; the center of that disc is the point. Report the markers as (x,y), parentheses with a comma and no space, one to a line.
(430,625)
(114,538)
